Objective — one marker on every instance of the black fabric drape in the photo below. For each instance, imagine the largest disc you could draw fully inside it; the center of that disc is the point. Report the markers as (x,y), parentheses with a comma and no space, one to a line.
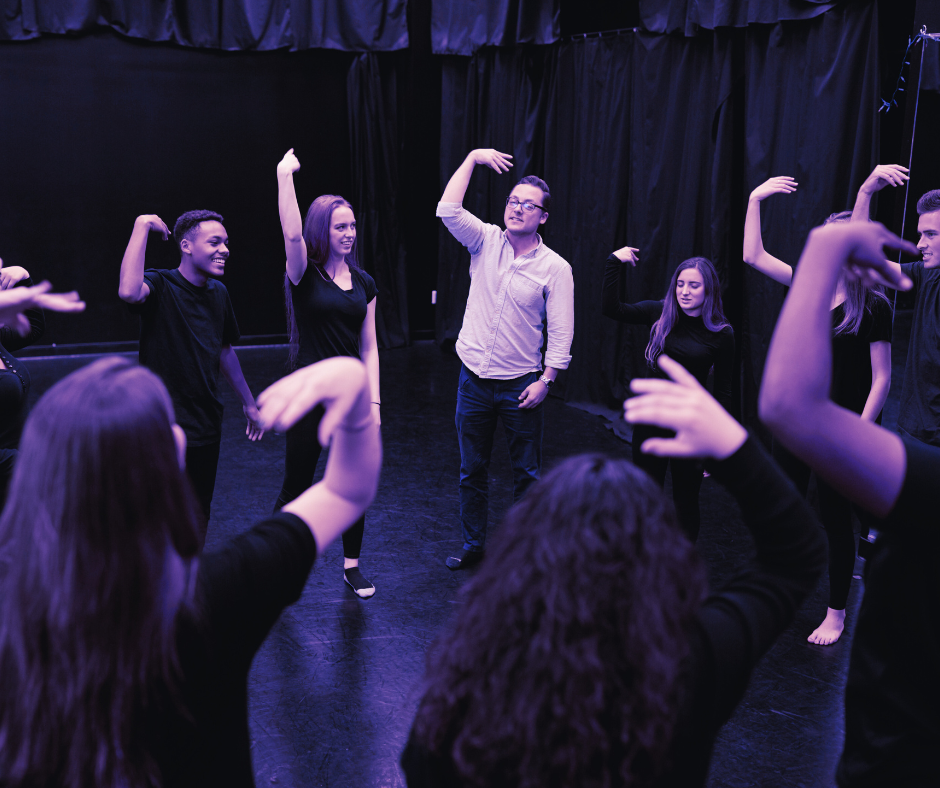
(687,16)
(931,73)
(461,27)
(375,144)
(349,25)
(812,93)
(640,138)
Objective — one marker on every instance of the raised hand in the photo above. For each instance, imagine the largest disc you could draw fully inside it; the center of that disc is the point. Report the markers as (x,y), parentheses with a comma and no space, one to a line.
(155,224)
(339,384)
(885,175)
(492,159)
(703,428)
(782,184)
(10,276)
(289,164)
(862,245)
(628,255)
(15,301)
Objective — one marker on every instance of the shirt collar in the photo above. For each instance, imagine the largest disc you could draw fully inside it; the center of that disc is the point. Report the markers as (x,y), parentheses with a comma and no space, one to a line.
(532,253)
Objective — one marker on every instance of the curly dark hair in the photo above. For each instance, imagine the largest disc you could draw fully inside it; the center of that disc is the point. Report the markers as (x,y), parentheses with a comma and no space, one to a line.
(189,221)
(562,666)
(929,202)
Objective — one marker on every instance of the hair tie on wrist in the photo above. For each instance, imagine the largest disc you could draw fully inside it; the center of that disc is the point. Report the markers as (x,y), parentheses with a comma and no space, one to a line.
(376,403)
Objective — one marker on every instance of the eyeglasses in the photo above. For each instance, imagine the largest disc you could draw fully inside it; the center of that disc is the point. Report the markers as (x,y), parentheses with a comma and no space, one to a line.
(528,206)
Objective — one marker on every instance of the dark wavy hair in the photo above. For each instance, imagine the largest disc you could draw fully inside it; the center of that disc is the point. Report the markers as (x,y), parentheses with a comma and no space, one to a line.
(97,560)
(317,239)
(713,314)
(190,220)
(859,299)
(929,202)
(562,665)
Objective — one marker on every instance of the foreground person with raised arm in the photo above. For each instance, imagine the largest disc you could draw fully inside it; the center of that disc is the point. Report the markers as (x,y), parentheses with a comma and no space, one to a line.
(587,651)
(518,287)
(187,329)
(124,651)
(892,703)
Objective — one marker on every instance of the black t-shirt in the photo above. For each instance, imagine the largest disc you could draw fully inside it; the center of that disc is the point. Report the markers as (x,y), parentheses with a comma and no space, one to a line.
(14,380)
(735,626)
(919,414)
(892,698)
(183,329)
(329,319)
(690,342)
(241,590)
(851,354)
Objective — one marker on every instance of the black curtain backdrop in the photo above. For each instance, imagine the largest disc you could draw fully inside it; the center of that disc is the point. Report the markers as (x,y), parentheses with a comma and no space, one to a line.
(688,16)
(98,129)
(812,93)
(461,27)
(376,146)
(641,138)
(349,25)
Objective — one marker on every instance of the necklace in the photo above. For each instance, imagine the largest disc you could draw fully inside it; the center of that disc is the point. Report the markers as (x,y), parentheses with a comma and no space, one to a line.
(325,278)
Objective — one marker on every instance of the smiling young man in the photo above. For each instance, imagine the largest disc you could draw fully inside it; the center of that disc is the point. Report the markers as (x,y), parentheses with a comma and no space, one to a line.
(186,333)
(518,286)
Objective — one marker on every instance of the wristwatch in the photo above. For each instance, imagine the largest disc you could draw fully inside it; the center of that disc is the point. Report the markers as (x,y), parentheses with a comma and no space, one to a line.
(547,381)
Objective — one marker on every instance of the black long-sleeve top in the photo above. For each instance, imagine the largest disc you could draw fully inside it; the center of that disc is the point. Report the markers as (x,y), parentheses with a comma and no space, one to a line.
(735,626)
(690,342)
(14,380)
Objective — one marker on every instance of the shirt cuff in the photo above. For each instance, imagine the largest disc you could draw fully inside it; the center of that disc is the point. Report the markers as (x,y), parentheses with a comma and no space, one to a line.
(449,208)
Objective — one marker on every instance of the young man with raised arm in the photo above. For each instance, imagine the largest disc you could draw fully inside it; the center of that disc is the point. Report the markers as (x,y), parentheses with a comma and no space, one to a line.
(919,412)
(187,327)
(517,286)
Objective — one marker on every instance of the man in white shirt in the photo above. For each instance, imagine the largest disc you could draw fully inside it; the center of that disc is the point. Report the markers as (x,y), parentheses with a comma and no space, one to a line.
(517,286)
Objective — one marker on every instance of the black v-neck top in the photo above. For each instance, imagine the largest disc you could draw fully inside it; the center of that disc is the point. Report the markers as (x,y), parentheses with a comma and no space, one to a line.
(329,319)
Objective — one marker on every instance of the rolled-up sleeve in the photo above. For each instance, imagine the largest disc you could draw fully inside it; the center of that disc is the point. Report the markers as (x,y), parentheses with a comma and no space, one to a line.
(559,313)
(463,225)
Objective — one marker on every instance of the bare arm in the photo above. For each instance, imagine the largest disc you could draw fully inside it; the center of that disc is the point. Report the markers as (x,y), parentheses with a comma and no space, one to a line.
(754,253)
(369,347)
(232,370)
(457,185)
(863,461)
(880,380)
(133,289)
(291,224)
(881,176)
(348,486)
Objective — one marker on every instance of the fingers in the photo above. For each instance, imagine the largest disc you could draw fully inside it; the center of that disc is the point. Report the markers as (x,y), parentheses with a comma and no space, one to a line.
(677,372)
(666,447)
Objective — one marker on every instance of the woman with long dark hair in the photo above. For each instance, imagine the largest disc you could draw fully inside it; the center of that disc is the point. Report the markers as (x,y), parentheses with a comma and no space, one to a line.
(124,652)
(586,651)
(689,325)
(861,377)
(330,312)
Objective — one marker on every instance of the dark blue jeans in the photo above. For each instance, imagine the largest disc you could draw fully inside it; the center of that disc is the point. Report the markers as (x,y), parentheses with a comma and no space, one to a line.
(479,402)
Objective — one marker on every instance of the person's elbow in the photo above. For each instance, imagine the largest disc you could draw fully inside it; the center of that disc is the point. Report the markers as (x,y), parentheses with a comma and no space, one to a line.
(131,295)
(776,408)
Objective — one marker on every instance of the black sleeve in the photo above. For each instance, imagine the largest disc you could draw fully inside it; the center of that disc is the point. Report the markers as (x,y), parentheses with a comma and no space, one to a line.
(154,281)
(881,319)
(724,369)
(230,332)
(742,620)
(10,339)
(915,511)
(368,284)
(914,272)
(244,586)
(643,312)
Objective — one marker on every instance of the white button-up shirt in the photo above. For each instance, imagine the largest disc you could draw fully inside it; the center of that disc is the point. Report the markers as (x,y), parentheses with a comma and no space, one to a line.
(511,298)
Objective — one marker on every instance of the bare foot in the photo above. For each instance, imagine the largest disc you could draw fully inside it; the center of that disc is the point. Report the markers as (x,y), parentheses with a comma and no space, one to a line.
(831,628)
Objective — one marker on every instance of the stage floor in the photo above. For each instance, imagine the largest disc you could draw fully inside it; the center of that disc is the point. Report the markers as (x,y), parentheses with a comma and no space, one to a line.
(334,688)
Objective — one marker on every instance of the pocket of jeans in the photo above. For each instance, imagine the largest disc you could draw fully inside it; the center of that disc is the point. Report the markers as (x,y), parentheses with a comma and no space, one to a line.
(524,291)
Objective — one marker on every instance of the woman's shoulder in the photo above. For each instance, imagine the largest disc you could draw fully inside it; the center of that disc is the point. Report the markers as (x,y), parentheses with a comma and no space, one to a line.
(367,282)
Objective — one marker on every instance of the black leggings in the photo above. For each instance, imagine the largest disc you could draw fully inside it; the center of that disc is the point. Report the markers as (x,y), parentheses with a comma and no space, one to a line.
(686,477)
(300,465)
(836,515)
(202,464)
